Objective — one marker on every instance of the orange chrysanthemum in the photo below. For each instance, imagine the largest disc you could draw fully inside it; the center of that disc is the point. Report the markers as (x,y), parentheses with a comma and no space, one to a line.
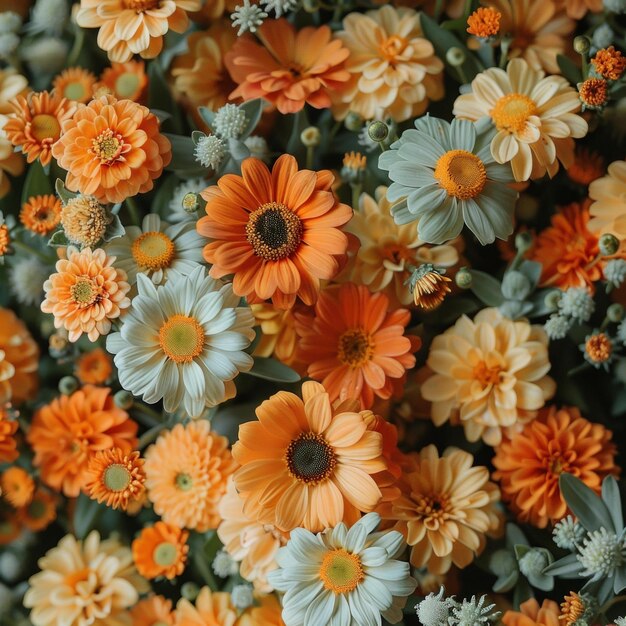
(41,214)
(65,433)
(126,81)
(529,464)
(115,477)
(187,470)
(152,611)
(128,27)
(278,233)
(94,368)
(36,123)
(484,22)
(532,615)
(112,149)
(161,550)
(572,609)
(594,93)
(609,63)
(292,67)
(354,345)
(8,444)
(19,360)
(17,486)
(587,166)
(307,464)
(5,238)
(40,512)
(75,83)
(86,293)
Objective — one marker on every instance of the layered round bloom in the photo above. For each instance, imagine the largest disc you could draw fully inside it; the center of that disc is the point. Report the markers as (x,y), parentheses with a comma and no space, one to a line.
(535,117)
(94,367)
(86,293)
(528,465)
(489,374)
(446,509)
(531,614)
(157,247)
(36,123)
(10,162)
(343,576)
(41,214)
(8,444)
(393,69)
(278,232)
(128,27)
(84,221)
(12,84)
(126,81)
(187,470)
(183,343)
(39,513)
(306,464)
(388,250)
(152,611)
(65,433)
(112,149)
(251,543)
(161,550)
(608,193)
(75,83)
(19,360)
(18,486)
(355,345)
(84,582)
(292,67)
(449,177)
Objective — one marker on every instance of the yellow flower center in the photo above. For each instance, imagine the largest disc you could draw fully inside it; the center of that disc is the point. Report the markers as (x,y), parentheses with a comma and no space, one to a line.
(392,47)
(71,580)
(84,291)
(274,231)
(181,338)
(153,250)
(74,91)
(355,348)
(126,84)
(512,112)
(116,477)
(310,458)
(44,126)
(486,375)
(461,173)
(183,481)
(165,554)
(107,146)
(341,572)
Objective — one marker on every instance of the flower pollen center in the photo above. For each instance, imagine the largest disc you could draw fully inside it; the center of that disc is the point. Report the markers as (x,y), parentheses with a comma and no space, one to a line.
(74,91)
(84,291)
(512,112)
(274,231)
(341,572)
(355,347)
(72,580)
(165,554)
(181,338)
(461,173)
(153,250)
(393,47)
(433,509)
(45,127)
(116,477)
(127,84)
(486,375)
(184,482)
(310,458)
(107,146)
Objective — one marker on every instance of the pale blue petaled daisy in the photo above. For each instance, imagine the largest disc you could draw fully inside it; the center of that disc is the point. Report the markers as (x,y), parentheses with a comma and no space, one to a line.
(448,176)
(343,577)
(183,342)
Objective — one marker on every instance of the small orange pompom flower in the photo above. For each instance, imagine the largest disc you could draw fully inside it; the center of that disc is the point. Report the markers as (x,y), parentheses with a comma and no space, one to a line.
(484,22)
(609,63)
(112,149)
(161,550)
(594,93)
(17,486)
(75,83)
(40,512)
(94,367)
(41,214)
(8,444)
(531,614)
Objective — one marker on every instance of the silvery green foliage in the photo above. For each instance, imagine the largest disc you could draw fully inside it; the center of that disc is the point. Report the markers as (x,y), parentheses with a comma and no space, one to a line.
(437,610)
(532,563)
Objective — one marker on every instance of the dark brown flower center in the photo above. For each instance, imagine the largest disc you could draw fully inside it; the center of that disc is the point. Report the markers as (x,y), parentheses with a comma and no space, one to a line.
(274,231)
(310,458)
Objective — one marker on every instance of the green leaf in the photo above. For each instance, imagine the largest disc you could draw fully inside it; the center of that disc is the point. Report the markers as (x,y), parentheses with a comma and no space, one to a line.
(613,501)
(196,135)
(58,239)
(65,194)
(238,150)
(569,69)
(532,270)
(505,583)
(85,515)
(114,229)
(183,158)
(36,183)
(207,115)
(568,567)
(253,110)
(271,369)
(162,198)
(585,504)
(160,98)
(486,288)
(514,535)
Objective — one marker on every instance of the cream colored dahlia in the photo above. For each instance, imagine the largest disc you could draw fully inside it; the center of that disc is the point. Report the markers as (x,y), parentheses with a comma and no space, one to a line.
(608,212)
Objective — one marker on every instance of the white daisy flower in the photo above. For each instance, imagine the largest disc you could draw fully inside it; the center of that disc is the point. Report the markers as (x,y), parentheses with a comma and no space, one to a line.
(343,577)
(183,342)
(156,248)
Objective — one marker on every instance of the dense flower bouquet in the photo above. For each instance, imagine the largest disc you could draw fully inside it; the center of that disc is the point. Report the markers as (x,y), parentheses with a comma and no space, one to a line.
(312,312)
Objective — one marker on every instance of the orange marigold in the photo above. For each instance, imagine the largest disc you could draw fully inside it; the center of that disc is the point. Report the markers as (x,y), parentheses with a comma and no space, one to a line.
(75,83)
(484,22)
(609,63)
(126,81)
(152,611)
(112,149)
(587,166)
(292,67)
(161,550)
(86,293)
(8,444)
(5,238)
(40,512)
(594,93)
(529,464)
(17,486)
(531,614)
(278,232)
(115,477)
(36,123)
(68,430)
(94,367)
(41,214)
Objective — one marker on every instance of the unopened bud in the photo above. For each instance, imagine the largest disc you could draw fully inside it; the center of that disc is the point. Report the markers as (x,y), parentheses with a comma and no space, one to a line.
(68,385)
(523,242)
(123,399)
(582,44)
(378,131)
(608,244)
(463,278)
(615,312)
(455,56)
(311,137)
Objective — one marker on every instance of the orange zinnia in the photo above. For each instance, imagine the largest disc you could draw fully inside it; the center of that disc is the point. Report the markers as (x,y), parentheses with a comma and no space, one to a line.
(531,614)
(305,464)
(8,444)
(17,486)
(66,432)
(75,83)
(94,368)
(278,233)
(161,550)
(126,81)
(112,149)
(41,214)
(36,123)
(293,69)
(152,611)
(529,464)
(354,345)
(40,512)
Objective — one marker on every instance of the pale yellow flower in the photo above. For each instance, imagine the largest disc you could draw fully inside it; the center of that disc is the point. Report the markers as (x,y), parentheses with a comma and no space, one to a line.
(608,212)
(11,162)
(11,84)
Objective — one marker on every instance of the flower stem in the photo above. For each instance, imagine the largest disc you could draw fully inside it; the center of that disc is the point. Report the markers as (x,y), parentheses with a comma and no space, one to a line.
(310,156)
(133,209)
(22,246)
(356,194)
(149,436)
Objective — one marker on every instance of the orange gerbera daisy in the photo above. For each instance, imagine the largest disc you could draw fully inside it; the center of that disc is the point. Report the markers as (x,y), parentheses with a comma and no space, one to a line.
(130,27)
(41,214)
(291,69)
(533,615)
(152,611)
(36,123)
(86,293)
(17,486)
(68,430)
(126,81)
(278,233)
(529,464)
(187,470)
(115,477)
(161,550)
(307,464)
(112,149)
(8,444)
(75,83)
(40,512)
(577,9)
(354,345)
(19,360)
(94,368)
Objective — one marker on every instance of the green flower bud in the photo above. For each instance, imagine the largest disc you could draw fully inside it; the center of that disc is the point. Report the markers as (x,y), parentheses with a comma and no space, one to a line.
(123,399)
(582,44)
(190,202)
(608,244)
(311,6)
(190,591)
(515,286)
(353,122)
(552,299)
(615,312)
(311,136)
(523,242)
(378,131)
(455,56)
(68,385)
(463,278)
